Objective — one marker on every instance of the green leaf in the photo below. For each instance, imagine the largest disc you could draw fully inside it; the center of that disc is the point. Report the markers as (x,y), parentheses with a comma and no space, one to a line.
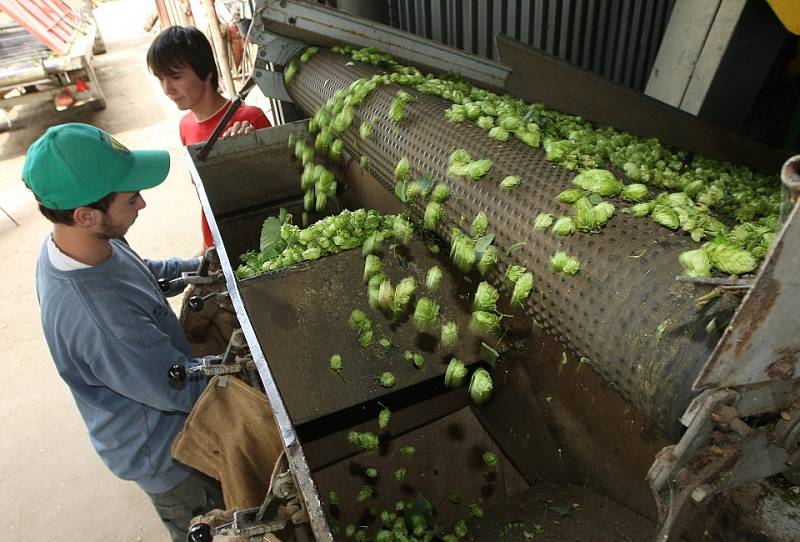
(270,236)
(514,247)
(482,243)
(489,355)
(401,191)
(562,510)
(426,183)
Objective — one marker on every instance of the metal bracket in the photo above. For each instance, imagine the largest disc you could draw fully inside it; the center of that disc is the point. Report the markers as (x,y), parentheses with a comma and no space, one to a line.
(273,50)
(281,496)
(721,450)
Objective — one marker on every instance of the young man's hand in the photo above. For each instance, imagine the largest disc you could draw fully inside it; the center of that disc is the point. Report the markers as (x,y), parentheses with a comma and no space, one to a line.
(240,127)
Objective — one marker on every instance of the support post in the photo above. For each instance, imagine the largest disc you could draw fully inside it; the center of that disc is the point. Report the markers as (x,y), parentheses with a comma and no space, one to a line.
(219,47)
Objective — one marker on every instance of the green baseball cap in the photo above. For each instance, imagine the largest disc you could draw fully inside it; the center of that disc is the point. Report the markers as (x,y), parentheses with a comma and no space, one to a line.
(75,164)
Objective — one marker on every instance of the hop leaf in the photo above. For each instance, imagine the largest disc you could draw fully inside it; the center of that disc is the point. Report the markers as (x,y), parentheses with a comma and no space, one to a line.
(364,494)
(386,295)
(730,259)
(485,122)
(571,195)
(479,224)
(641,209)
(367,440)
(462,251)
(460,157)
(384,417)
(566,265)
(564,226)
(477,169)
(488,260)
(433,215)
(387,379)
(522,288)
(695,263)
(450,334)
(666,216)
(289,72)
(543,221)
(486,297)
(401,171)
(456,374)
(485,323)
(402,230)
(499,133)
(440,193)
(480,386)
(512,181)
(433,278)
(634,192)
(514,272)
(403,294)
(372,265)
(425,313)
(336,363)
(599,181)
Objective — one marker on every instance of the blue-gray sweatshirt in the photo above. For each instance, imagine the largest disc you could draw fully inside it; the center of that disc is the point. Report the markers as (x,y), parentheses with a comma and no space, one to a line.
(113,337)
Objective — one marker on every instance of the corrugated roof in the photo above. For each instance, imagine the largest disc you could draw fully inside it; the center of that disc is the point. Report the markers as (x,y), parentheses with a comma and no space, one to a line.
(53,22)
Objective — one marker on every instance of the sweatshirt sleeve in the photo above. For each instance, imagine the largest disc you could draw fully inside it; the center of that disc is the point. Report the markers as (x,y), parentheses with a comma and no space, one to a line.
(136,366)
(171,268)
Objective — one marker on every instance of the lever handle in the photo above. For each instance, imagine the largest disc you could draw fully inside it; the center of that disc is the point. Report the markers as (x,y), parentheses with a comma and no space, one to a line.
(177,376)
(200,533)
(196,303)
(163,284)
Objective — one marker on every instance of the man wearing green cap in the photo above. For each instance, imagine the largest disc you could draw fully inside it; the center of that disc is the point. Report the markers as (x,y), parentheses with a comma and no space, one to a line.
(109,328)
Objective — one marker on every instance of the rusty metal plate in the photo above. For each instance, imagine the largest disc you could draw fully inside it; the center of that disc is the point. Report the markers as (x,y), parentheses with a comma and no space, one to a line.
(762,341)
(300,316)
(613,310)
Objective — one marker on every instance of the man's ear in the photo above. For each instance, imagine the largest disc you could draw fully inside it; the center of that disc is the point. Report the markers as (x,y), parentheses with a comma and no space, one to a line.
(86,217)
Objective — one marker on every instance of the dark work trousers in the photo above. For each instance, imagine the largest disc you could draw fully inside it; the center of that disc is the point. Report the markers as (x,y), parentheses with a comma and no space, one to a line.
(195,496)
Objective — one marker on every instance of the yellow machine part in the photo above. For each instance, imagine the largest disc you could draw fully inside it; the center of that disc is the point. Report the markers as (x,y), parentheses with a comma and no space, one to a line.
(788,11)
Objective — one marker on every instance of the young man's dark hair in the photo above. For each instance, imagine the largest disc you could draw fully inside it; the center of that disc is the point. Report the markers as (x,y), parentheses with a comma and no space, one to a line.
(180,46)
(182,60)
(66,216)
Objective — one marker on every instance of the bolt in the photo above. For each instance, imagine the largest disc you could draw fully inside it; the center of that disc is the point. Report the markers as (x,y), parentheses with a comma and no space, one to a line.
(701,493)
(782,369)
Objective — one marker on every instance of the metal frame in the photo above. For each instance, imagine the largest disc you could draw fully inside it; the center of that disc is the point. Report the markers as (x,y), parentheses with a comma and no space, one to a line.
(294,450)
(299,18)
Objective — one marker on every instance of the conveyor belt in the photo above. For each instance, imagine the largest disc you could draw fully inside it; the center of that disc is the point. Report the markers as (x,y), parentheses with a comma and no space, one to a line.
(624,311)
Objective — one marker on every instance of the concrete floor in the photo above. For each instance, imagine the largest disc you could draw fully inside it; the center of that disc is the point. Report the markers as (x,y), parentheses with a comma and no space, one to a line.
(52,483)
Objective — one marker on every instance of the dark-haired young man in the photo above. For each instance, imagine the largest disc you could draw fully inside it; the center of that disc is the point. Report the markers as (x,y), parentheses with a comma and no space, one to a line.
(109,328)
(183,61)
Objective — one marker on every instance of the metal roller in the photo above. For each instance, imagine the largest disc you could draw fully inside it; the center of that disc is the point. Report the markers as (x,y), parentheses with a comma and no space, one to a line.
(642,331)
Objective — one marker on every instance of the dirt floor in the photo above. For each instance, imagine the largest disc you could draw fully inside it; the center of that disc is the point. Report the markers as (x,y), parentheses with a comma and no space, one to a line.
(52,483)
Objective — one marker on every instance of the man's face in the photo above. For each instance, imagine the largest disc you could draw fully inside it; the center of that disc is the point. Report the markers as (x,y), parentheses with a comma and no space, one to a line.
(121,214)
(184,87)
